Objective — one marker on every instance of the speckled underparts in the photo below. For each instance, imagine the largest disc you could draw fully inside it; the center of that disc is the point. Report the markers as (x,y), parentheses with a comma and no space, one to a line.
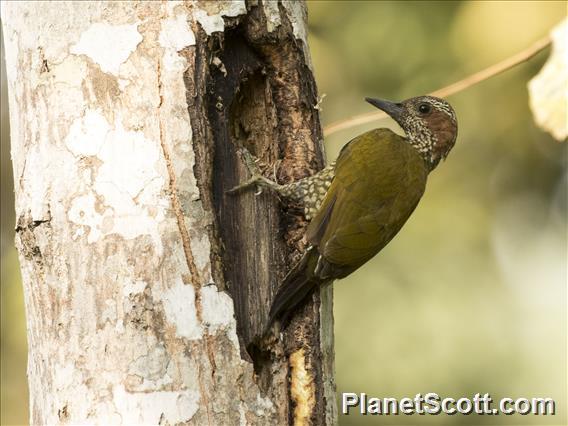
(310,192)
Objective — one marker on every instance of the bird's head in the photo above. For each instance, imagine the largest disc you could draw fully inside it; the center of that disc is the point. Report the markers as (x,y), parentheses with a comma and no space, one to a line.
(430,124)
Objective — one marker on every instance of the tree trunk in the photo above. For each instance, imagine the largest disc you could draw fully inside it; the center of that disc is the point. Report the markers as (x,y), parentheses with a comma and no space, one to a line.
(146,285)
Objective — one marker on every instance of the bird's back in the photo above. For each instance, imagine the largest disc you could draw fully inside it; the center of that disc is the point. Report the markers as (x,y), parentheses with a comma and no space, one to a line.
(379,179)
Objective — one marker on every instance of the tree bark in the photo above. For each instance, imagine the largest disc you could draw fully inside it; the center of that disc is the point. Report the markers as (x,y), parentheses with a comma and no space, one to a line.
(146,285)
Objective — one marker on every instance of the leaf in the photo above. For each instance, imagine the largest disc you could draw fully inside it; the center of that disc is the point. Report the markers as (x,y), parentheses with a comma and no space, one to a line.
(548,90)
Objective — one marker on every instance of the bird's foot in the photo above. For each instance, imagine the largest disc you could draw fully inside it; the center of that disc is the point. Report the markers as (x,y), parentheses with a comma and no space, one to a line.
(250,161)
(257,180)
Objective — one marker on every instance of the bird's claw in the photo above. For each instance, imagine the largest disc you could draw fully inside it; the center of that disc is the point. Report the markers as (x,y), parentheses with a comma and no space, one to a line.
(250,161)
(275,169)
(257,178)
(253,181)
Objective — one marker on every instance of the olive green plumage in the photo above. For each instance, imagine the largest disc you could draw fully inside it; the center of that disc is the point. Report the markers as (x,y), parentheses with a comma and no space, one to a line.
(379,179)
(357,204)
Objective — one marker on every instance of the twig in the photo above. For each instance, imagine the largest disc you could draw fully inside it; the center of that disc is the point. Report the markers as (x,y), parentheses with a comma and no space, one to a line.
(456,87)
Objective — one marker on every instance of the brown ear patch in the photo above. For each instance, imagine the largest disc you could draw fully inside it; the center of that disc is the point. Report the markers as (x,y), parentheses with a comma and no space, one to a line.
(445,130)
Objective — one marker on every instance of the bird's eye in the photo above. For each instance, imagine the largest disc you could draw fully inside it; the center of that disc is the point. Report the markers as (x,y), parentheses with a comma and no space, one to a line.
(424,108)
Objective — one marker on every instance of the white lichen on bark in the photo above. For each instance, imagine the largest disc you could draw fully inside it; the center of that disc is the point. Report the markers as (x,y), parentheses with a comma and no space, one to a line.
(125,324)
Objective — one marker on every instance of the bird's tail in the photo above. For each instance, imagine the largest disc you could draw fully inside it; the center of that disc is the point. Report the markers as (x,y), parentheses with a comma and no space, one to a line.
(299,282)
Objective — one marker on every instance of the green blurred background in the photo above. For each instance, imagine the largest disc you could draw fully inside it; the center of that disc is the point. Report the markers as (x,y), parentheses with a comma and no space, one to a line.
(471,296)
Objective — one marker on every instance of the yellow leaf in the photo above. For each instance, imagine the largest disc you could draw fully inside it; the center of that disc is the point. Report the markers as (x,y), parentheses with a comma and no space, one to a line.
(548,90)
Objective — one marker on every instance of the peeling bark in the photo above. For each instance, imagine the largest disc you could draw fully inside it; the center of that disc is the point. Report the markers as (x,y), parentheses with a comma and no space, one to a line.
(146,285)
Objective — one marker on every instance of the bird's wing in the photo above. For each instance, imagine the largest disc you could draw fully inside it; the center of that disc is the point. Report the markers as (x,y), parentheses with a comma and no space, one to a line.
(378,183)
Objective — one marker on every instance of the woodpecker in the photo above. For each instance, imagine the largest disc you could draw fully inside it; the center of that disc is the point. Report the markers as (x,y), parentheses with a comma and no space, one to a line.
(358,203)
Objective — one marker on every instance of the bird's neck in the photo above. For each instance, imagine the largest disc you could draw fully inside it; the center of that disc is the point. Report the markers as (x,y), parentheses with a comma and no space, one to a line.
(423,145)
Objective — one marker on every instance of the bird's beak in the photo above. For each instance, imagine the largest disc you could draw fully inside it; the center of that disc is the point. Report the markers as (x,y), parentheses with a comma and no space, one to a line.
(391,108)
